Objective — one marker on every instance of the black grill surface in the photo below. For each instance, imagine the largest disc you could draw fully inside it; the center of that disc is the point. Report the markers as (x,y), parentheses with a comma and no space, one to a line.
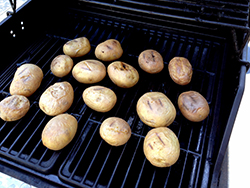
(90,162)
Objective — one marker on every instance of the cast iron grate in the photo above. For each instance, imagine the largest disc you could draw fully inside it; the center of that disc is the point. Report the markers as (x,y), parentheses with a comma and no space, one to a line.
(90,161)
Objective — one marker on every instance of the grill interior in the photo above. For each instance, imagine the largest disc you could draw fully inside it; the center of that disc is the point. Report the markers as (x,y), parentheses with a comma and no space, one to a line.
(90,162)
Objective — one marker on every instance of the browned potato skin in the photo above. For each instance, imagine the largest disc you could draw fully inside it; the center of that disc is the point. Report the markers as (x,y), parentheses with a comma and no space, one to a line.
(151,61)
(59,131)
(27,79)
(161,147)
(89,71)
(123,74)
(109,50)
(77,47)
(155,109)
(115,131)
(193,106)
(57,98)
(99,98)
(14,107)
(180,70)
(61,65)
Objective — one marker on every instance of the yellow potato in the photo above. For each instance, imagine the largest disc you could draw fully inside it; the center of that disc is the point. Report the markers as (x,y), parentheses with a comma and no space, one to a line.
(77,47)
(109,50)
(14,107)
(99,98)
(27,80)
(59,131)
(155,109)
(89,71)
(57,98)
(61,65)
(123,74)
(115,131)
(161,147)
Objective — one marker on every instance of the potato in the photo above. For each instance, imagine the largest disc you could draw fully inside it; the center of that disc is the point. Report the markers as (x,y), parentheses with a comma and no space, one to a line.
(77,47)
(14,107)
(89,71)
(61,65)
(161,147)
(123,74)
(27,79)
(109,50)
(59,131)
(57,98)
(155,109)
(99,98)
(151,61)
(115,131)
(180,70)
(193,106)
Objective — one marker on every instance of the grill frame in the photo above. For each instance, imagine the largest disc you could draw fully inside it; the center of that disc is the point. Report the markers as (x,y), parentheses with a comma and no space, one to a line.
(64,37)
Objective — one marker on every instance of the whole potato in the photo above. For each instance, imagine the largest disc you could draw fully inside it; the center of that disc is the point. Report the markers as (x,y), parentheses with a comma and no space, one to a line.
(27,79)
(14,107)
(123,74)
(180,70)
(109,50)
(161,147)
(61,65)
(57,98)
(89,71)
(193,106)
(99,98)
(151,61)
(115,131)
(59,131)
(77,47)
(155,109)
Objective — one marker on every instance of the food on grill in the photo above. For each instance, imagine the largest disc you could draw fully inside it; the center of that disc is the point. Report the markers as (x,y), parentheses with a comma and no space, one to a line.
(59,131)
(14,107)
(27,79)
(180,70)
(155,109)
(89,71)
(151,61)
(115,131)
(77,47)
(193,106)
(109,50)
(123,74)
(61,65)
(161,147)
(57,98)
(99,98)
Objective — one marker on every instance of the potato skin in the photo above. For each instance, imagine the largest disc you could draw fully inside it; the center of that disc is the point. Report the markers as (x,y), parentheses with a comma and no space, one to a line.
(115,131)
(161,147)
(109,50)
(151,61)
(57,98)
(14,107)
(193,106)
(77,47)
(180,70)
(99,98)
(155,109)
(61,65)
(89,71)
(123,74)
(27,79)
(59,131)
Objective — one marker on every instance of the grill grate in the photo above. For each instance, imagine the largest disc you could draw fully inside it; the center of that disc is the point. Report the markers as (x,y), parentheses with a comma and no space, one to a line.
(91,162)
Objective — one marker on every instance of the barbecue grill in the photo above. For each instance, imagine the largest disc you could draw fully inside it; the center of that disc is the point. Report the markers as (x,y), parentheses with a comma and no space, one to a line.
(210,33)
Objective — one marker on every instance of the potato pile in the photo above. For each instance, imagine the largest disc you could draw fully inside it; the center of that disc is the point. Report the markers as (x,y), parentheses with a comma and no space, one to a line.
(161,146)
